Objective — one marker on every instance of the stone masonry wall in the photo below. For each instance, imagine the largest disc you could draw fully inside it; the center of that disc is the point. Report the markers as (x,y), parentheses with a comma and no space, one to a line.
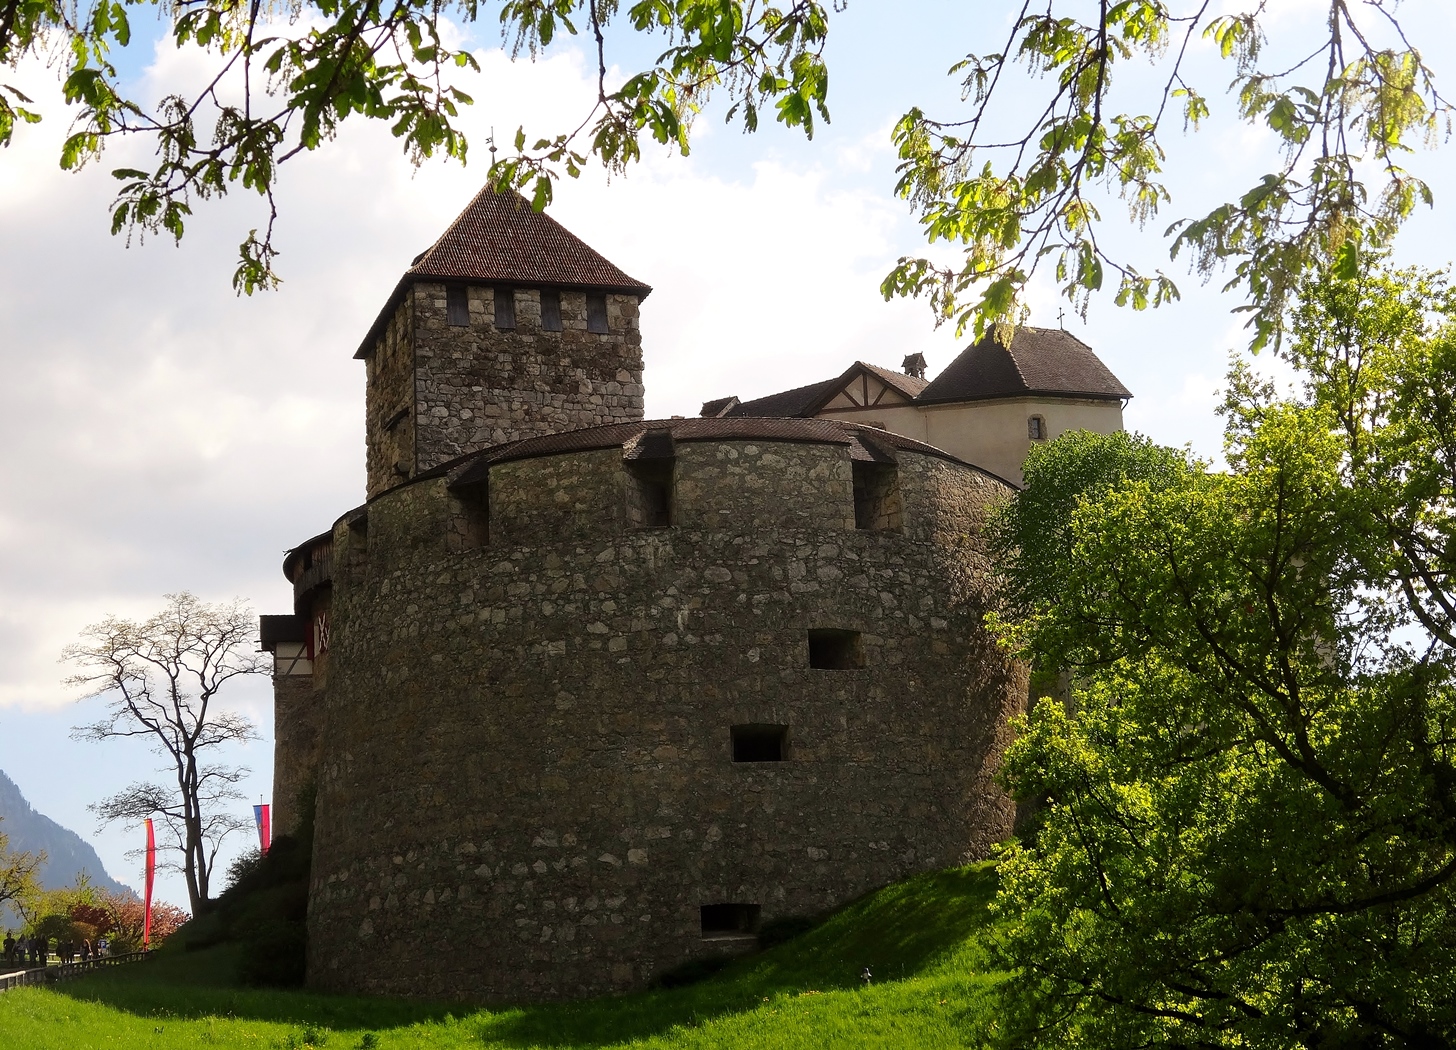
(527,789)
(297,718)
(477,386)
(389,403)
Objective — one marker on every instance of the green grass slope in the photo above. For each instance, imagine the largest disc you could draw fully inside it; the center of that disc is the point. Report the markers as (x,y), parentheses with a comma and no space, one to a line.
(923,940)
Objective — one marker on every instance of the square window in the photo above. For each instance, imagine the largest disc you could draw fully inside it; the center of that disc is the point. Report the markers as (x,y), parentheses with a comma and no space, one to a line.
(758,742)
(505,308)
(729,921)
(550,310)
(457,306)
(835,650)
(596,313)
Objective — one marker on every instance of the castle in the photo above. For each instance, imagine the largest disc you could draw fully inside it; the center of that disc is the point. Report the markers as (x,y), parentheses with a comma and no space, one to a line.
(581,697)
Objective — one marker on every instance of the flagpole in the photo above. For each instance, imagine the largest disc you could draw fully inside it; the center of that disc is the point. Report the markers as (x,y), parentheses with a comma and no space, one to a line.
(151,876)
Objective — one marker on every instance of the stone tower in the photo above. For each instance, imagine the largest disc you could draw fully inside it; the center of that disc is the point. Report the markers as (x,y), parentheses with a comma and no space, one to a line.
(508,327)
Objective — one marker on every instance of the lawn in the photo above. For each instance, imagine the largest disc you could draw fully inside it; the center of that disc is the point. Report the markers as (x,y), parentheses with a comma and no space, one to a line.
(923,940)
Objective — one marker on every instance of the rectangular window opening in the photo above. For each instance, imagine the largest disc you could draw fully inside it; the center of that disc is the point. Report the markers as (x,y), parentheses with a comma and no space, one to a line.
(835,650)
(649,493)
(759,742)
(471,525)
(729,921)
(457,306)
(550,310)
(877,503)
(596,313)
(505,308)
(359,539)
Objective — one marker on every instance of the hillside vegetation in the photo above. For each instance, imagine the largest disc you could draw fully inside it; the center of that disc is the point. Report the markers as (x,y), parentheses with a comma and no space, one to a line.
(924,941)
(67,853)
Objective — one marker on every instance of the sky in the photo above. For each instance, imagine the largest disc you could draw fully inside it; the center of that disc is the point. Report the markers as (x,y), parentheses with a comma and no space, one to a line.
(164,434)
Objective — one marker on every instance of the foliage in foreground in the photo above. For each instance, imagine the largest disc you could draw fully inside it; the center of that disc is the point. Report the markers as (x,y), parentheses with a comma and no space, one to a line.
(924,941)
(1070,105)
(1250,831)
(263,912)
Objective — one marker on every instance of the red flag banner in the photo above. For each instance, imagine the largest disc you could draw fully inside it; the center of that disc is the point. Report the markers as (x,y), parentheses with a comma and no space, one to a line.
(263,819)
(151,876)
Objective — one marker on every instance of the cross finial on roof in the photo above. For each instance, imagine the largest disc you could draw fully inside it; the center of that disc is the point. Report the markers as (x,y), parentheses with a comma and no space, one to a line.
(1061,319)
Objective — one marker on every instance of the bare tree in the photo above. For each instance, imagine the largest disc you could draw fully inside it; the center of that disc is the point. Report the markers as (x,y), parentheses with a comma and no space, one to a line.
(160,678)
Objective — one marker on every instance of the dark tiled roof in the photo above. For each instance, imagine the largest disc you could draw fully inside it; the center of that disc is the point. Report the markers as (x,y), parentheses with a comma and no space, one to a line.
(805,401)
(880,444)
(275,629)
(801,401)
(500,239)
(719,407)
(1040,361)
(1045,361)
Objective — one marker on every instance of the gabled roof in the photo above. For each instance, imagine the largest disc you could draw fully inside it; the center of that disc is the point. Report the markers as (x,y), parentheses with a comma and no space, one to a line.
(805,401)
(1040,361)
(910,386)
(500,239)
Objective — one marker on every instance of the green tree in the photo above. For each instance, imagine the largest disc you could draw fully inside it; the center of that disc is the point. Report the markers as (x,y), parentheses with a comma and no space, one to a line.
(1249,830)
(19,876)
(1073,90)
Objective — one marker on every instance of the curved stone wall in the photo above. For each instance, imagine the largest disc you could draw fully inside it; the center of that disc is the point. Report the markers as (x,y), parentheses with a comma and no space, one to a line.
(527,787)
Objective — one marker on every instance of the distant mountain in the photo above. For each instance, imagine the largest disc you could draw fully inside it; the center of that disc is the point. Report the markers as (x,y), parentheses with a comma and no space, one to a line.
(67,854)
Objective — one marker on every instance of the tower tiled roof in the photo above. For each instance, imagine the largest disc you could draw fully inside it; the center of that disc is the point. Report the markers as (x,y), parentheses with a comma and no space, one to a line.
(1045,361)
(499,237)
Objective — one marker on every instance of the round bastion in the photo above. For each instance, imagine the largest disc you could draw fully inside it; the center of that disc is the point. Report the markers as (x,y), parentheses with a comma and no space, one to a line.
(605,702)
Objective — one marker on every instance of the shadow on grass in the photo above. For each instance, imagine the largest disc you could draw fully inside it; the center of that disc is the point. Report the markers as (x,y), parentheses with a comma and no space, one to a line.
(906,930)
